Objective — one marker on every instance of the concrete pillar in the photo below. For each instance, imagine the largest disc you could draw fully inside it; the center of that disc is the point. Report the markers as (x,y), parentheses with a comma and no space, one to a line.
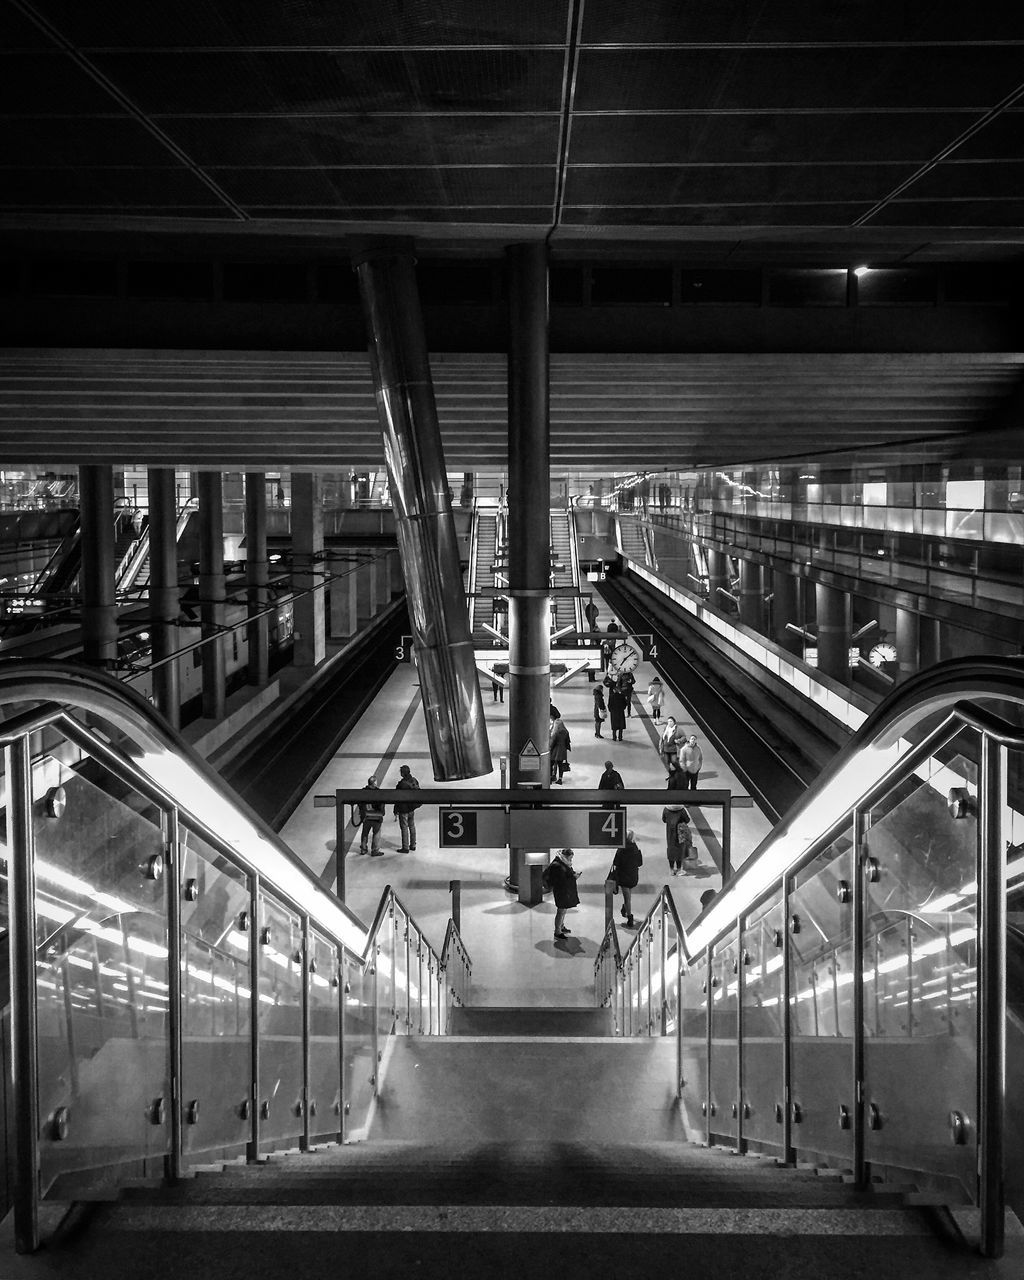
(257,573)
(307,569)
(528,537)
(751,594)
(908,642)
(382,580)
(929,641)
(832,609)
(786,608)
(212,593)
(344,597)
(718,576)
(164,602)
(99,601)
(366,597)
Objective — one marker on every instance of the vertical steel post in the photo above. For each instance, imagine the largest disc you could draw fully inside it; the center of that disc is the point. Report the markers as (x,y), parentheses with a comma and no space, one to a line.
(860,827)
(741,969)
(727,840)
(710,994)
(375,958)
(306,953)
(342,989)
(257,573)
(212,592)
(339,847)
(455,887)
(25,1056)
(679,1017)
(174,990)
(99,603)
(164,604)
(253,1152)
(992,996)
(529,533)
(787,1030)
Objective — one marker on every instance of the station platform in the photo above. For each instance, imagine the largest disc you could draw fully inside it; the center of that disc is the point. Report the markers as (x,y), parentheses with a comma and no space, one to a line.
(516,960)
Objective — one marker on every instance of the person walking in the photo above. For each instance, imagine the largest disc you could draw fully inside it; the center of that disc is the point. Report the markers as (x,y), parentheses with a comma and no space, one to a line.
(691,760)
(616,712)
(559,745)
(668,744)
(606,653)
(600,709)
(656,698)
(405,809)
(610,780)
(370,816)
(561,878)
(678,839)
(591,614)
(626,873)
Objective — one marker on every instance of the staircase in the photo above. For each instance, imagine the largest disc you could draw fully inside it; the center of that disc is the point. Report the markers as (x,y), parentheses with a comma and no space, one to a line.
(486,533)
(515,1148)
(561,554)
(631,538)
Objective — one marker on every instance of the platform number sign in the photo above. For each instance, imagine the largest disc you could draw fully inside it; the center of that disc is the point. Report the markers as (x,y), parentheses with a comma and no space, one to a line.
(458,827)
(607,827)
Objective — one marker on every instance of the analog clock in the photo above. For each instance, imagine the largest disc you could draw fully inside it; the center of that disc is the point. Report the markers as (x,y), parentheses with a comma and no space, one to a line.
(623,658)
(882,653)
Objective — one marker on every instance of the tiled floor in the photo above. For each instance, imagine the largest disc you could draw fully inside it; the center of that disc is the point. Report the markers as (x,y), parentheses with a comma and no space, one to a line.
(515,959)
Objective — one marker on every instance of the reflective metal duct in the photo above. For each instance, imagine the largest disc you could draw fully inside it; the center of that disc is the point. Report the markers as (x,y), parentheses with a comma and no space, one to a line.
(427,543)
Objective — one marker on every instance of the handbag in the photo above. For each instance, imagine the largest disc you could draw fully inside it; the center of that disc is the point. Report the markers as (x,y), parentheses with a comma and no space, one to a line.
(355,817)
(602,716)
(613,877)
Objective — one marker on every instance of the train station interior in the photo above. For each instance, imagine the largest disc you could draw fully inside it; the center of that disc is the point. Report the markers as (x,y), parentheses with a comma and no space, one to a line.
(603,425)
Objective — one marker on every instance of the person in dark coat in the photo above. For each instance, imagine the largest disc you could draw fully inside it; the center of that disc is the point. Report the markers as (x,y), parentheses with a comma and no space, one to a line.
(610,780)
(562,878)
(405,810)
(626,873)
(591,614)
(678,840)
(370,815)
(600,709)
(617,713)
(606,653)
(559,745)
(625,683)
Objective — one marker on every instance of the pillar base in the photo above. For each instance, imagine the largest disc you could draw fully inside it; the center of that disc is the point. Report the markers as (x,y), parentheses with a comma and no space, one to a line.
(528,876)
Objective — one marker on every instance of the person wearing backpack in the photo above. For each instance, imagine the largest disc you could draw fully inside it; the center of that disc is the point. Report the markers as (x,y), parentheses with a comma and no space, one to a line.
(369,815)
(406,808)
(625,871)
(560,877)
(678,838)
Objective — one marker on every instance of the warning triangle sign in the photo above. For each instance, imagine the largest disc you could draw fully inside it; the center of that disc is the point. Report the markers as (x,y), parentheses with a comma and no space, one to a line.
(529,749)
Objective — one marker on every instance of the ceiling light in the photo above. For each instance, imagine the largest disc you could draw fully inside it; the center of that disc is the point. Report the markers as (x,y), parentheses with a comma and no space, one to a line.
(861,271)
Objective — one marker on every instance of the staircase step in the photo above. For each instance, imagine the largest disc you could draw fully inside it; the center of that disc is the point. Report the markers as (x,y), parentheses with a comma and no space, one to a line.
(484,1020)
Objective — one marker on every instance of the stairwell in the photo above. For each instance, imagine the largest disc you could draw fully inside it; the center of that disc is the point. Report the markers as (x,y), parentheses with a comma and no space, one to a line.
(561,573)
(484,575)
(529,1143)
(631,538)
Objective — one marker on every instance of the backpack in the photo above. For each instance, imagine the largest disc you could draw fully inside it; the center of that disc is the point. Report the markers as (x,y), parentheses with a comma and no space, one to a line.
(545,878)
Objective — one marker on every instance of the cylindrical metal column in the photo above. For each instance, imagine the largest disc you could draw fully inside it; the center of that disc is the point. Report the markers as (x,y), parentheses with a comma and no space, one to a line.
(163,591)
(256,575)
(929,641)
(25,1059)
(307,569)
(786,608)
(427,543)
(212,592)
(719,580)
(908,640)
(832,609)
(529,533)
(992,839)
(751,595)
(99,603)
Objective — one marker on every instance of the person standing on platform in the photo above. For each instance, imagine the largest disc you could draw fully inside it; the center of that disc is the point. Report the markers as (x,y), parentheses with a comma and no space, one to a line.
(370,814)
(613,625)
(626,873)
(559,745)
(617,712)
(691,759)
(606,653)
(610,780)
(561,879)
(406,808)
(591,614)
(656,698)
(600,709)
(668,744)
(678,840)
(626,683)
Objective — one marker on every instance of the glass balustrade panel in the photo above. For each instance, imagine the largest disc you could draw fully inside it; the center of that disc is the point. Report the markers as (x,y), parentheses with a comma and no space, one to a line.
(385,965)
(281,983)
(324,1037)
(821,986)
(670,1002)
(101,975)
(216,1001)
(764,955)
(693,1030)
(724,1066)
(920,969)
(360,1067)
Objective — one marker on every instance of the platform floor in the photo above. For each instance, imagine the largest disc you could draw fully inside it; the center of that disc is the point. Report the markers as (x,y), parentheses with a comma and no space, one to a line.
(516,960)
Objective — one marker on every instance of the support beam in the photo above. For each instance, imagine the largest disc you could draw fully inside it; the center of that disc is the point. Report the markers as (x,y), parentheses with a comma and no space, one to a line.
(164,605)
(99,602)
(307,569)
(212,592)
(832,608)
(257,574)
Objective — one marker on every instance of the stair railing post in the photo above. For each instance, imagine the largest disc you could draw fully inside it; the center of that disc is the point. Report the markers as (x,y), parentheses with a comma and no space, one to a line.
(709,993)
(254,1019)
(341,971)
(787,1029)
(992,995)
(455,889)
(306,954)
(174,1007)
(663,915)
(740,988)
(375,961)
(857,1066)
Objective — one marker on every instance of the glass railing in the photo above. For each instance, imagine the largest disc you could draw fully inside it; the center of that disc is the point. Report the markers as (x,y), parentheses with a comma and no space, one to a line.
(183,988)
(843,1000)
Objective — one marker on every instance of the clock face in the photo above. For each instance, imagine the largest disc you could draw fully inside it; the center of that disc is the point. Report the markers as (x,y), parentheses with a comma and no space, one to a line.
(880,654)
(624,658)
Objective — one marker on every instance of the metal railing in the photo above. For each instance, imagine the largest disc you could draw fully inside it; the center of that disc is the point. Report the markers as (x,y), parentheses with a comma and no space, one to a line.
(844,998)
(182,986)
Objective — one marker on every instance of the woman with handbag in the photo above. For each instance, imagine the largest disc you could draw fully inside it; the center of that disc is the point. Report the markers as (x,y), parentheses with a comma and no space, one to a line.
(625,871)
(600,709)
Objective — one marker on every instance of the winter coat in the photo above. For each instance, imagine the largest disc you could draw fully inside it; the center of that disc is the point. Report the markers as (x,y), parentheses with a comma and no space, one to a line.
(610,780)
(407,784)
(691,759)
(617,709)
(560,743)
(669,743)
(655,694)
(626,864)
(672,815)
(563,883)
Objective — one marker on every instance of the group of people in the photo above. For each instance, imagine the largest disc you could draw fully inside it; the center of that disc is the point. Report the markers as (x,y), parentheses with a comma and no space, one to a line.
(618,706)
(368,816)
